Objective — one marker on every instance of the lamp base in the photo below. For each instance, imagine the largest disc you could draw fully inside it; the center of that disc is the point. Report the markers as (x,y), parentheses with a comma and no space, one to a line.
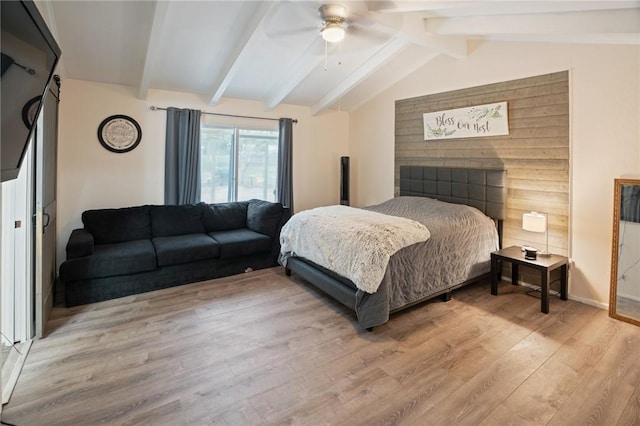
(529,252)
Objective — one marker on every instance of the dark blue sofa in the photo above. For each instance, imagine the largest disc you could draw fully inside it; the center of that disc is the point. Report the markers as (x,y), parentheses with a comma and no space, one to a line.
(126,251)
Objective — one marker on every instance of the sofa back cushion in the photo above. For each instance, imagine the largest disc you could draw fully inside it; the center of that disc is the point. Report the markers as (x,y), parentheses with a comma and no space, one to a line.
(167,221)
(110,226)
(225,216)
(264,217)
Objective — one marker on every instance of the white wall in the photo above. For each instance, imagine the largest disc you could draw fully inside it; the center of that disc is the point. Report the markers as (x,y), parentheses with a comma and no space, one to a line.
(91,177)
(605,135)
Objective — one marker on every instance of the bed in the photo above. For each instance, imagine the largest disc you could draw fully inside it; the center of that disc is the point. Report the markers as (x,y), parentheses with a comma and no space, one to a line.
(463,210)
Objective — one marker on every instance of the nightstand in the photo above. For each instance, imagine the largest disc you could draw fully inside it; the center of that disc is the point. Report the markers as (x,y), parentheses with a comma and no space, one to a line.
(545,265)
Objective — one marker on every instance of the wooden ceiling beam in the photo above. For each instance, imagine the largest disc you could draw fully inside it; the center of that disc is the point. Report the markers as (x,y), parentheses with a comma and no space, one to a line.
(304,65)
(154,47)
(243,47)
(391,48)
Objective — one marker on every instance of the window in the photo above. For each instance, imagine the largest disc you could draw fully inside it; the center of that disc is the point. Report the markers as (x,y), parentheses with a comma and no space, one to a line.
(238,164)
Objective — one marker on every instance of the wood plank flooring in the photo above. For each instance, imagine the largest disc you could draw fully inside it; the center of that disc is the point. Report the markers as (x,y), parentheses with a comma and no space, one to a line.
(261,348)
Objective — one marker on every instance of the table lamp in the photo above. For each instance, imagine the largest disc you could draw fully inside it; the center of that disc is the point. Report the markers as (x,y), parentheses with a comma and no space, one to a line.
(537,222)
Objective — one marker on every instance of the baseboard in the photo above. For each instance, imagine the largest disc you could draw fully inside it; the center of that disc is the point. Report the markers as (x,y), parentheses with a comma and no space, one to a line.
(48,304)
(591,302)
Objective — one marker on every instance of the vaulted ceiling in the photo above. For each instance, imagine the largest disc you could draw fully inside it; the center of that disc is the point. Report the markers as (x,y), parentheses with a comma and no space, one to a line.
(272,51)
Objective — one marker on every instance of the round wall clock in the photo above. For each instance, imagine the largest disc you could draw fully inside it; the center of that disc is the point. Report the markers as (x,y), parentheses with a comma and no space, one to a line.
(29,111)
(119,133)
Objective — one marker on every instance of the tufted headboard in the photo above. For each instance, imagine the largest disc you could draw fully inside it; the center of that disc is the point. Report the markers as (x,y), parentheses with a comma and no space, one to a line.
(484,189)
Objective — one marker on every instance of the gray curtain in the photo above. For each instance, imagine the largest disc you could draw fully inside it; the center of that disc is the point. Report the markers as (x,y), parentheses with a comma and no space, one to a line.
(182,157)
(284,194)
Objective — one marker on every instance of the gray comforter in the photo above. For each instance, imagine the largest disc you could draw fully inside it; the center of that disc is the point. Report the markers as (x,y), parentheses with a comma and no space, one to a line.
(462,239)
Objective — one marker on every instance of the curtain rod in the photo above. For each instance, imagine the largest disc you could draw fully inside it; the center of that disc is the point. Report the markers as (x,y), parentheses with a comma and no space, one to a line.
(155,108)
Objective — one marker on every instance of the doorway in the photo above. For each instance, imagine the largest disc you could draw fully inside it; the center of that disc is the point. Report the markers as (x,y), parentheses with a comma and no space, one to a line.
(16,285)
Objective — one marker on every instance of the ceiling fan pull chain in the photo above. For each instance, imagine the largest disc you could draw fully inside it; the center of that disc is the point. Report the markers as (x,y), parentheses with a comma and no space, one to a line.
(340,53)
(325,54)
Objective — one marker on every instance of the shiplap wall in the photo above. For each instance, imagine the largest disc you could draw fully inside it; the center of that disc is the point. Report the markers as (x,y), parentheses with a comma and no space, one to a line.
(535,153)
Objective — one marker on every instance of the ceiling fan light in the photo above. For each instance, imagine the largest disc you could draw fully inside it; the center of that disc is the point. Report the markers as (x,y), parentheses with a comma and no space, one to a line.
(333,33)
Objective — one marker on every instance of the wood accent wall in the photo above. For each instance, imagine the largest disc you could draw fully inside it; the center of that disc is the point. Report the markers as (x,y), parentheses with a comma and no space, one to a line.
(535,153)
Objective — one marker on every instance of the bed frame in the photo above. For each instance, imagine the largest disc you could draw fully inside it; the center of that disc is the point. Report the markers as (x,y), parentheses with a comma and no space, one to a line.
(484,189)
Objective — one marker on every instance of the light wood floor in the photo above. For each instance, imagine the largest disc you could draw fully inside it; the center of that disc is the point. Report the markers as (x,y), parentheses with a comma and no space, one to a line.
(628,307)
(262,349)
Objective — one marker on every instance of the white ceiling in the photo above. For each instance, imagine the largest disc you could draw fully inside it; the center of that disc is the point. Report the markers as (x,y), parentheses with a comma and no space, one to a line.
(272,52)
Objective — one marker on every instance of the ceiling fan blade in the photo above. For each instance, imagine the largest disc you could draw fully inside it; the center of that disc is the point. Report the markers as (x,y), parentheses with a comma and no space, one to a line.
(293,19)
(292,32)
(373,36)
(373,20)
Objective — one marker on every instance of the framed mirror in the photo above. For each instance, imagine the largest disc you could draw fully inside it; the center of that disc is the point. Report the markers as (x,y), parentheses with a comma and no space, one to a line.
(624,296)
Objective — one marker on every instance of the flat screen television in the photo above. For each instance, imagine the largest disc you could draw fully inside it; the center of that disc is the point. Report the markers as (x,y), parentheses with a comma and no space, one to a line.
(29,57)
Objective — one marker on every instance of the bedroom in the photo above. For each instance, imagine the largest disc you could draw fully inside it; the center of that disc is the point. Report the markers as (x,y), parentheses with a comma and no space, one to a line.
(605,139)
(603,125)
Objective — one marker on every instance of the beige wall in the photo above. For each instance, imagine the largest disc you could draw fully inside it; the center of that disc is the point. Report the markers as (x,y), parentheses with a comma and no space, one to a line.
(91,177)
(605,135)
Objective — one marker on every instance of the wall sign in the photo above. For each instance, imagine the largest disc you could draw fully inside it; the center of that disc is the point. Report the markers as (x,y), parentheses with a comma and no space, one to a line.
(471,122)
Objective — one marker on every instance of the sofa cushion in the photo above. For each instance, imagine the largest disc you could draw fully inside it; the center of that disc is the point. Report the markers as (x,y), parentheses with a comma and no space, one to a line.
(225,216)
(80,244)
(167,221)
(180,249)
(241,242)
(117,225)
(264,217)
(109,260)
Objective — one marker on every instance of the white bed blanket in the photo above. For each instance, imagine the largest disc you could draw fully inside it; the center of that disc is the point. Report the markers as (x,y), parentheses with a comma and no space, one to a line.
(354,243)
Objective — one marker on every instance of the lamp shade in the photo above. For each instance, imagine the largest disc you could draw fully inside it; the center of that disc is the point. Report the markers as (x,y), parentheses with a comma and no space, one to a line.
(534,222)
(333,32)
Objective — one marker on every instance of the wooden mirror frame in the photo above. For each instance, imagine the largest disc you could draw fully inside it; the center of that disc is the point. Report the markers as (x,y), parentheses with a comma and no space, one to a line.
(613,291)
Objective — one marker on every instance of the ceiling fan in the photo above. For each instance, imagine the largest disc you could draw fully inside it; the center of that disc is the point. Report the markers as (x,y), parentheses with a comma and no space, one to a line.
(334,22)
(295,22)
